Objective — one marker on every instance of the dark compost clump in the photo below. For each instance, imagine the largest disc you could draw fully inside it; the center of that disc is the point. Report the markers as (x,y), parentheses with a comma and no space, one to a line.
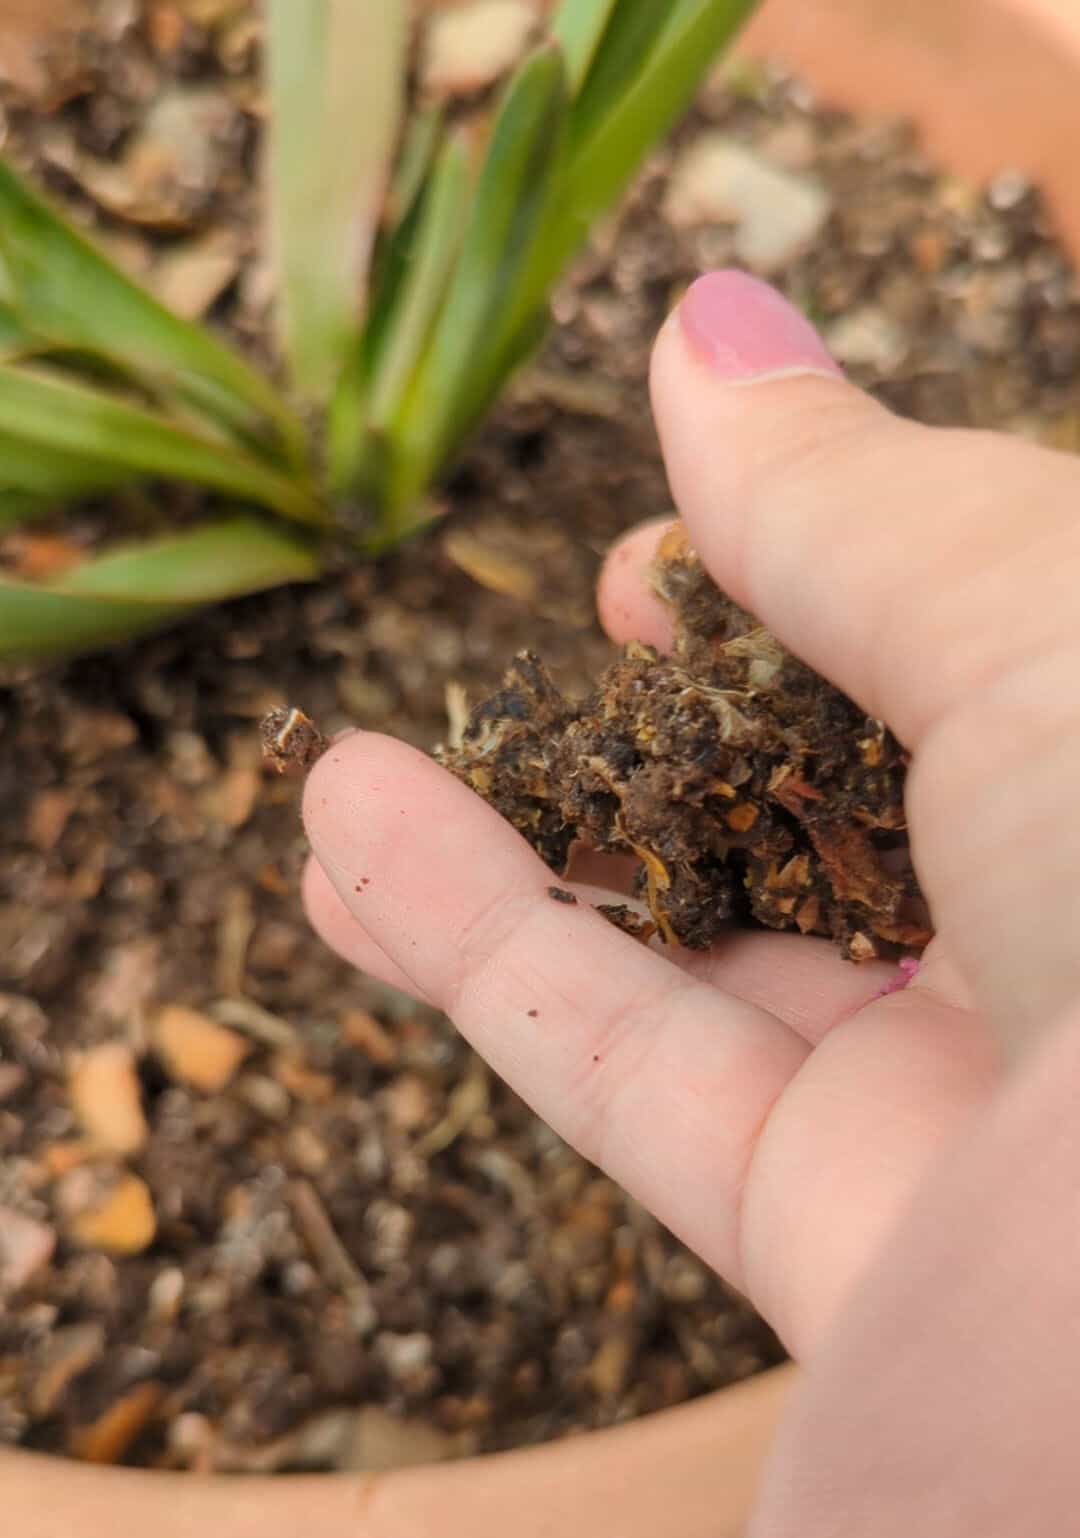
(750,790)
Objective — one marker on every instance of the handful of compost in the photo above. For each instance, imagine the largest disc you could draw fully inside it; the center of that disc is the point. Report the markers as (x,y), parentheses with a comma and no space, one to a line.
(750,789)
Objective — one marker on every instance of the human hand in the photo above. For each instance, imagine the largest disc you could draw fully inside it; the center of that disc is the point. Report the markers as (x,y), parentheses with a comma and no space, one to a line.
(767,1101)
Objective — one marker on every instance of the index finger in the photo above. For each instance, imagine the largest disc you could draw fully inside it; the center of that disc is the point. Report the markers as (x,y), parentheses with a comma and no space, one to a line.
(660,1078)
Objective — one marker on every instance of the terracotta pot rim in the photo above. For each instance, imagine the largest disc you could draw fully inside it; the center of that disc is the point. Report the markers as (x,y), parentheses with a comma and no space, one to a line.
(965,72)
(690,1470)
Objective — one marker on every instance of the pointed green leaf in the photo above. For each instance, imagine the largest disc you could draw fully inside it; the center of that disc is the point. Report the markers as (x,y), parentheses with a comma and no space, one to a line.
(21,506)
(647,107)
(371,391)
(578,26)
(15,339)
(221,560)
(622,53)
(67,293)
(49,476)
(599,168)
(140,588)
(438,237)
(510,201)
(394,250)
(337,71)
(47,413)
(423,133)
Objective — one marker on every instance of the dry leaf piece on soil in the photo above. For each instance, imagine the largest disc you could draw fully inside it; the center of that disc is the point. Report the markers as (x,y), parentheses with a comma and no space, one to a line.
(749,788)
(69,1352)
(108,1439)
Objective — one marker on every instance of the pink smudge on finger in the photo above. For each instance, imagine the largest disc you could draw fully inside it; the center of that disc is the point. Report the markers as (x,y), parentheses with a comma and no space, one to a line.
(907,969)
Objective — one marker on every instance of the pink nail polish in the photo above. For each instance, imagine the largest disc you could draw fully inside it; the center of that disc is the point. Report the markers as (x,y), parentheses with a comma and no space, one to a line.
(745,330)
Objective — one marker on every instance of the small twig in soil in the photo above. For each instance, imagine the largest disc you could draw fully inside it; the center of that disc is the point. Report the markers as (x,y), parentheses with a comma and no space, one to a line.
(235,931)
(466,1102)
(335,1264)
(255,1021)
(457,715)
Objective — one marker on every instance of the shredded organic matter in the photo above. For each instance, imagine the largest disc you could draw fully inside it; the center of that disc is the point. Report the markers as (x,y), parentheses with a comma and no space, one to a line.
(749,788)
(291,740)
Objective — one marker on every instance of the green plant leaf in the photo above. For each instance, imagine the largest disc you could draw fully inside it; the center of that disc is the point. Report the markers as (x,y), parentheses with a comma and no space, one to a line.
(552,168)
(68,295)
(394,248)
(21,506)
(578,26)
(621,54)
(394,262)
(646,106)
(438,237)
(372,388)
(510,201)
(47,413)
(140,588)
(15,340)
(336,82)
(598,168)
(51,476)
(423,133)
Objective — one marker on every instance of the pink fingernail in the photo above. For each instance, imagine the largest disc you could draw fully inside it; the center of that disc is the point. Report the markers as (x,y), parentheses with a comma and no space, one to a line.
(745,330)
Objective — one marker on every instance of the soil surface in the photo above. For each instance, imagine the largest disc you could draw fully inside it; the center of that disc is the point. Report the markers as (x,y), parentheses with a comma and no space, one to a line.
(256,1211)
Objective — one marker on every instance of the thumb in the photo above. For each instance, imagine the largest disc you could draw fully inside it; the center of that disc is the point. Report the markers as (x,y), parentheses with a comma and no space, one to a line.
(901,561)
(932,575)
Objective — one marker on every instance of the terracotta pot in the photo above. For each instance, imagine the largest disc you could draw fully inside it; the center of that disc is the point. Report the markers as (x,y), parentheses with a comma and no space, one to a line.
(991,84)
(689,1471)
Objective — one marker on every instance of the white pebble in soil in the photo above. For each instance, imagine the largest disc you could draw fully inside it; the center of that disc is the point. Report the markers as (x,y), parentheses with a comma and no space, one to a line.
(776,213)
(867,338)
(470,46)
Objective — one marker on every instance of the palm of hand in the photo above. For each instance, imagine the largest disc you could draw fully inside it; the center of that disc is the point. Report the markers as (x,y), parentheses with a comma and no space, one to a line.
(773,1104)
